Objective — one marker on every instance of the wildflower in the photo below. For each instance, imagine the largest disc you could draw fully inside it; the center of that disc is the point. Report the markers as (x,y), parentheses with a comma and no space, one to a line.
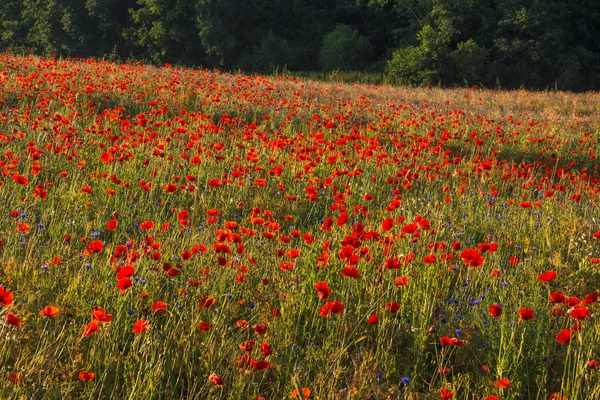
(503,383)
(49,311)
(495,310)
(6,296)
(13,319)
(323,290)
(140,326)
(563,337)
(333,307)
(526,314)
(86,376)
(472,258)
(547,276)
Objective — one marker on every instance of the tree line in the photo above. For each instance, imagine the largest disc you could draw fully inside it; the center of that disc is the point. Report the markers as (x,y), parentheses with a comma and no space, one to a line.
(511,43)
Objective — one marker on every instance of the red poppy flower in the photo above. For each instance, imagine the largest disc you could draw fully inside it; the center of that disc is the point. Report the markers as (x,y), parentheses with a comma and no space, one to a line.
(207,301)
(332,307)
(248,345)
(429,259)
(557,297)
(572,301)
(260,365)
(392,307)
(323,290)
(170,188)
(373,319)
(94,246)
(305,393)
(20,179)
(13,319)
(126,272)
(123,284)
(495,310)
(49,311)
(216,380)
(16,378)
(287,265)
(213,183)
(22,227)
(350,272)
(579,312)
(563,336)
(86,376)
(260,329)
(503,383)
(593,364)
(472,258)
(140,326)
(100,314)
(446,341)
(445,394)
(6,296)
(308,238)
(547,276)
(408,258)
(327,224)
(159,306)
(387,224)
(401,281)
(526,314)
(204,327)
(146,225)
(293,253)
(591,298)
(342,219)
(392,263)
(410,228)
(112,225)
(487,247)
(91,328)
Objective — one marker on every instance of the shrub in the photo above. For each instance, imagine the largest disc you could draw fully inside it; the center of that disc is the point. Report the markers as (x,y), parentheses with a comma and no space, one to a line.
(421,64)
(274,52)
(469,62)
(344,49)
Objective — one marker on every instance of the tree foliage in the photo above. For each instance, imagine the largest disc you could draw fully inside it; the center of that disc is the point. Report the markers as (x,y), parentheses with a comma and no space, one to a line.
(345,49)
(531,43)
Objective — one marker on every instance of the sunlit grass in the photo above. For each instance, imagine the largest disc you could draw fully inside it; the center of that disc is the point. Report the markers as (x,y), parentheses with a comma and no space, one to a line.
(261,165)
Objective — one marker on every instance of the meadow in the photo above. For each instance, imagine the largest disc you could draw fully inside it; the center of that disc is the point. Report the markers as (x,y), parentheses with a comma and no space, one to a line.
(177,233)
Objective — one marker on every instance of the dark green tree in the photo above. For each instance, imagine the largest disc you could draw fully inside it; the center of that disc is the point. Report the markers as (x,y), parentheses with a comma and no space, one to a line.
(530,43)
(164,31)
(420,64)
(344,49)
(11,27)
(273,53)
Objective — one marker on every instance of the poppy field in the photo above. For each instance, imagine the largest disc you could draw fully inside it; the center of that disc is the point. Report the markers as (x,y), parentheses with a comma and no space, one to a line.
(178,233)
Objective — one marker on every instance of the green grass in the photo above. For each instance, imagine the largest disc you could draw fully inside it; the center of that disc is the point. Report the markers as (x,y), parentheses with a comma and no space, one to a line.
(452,157)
